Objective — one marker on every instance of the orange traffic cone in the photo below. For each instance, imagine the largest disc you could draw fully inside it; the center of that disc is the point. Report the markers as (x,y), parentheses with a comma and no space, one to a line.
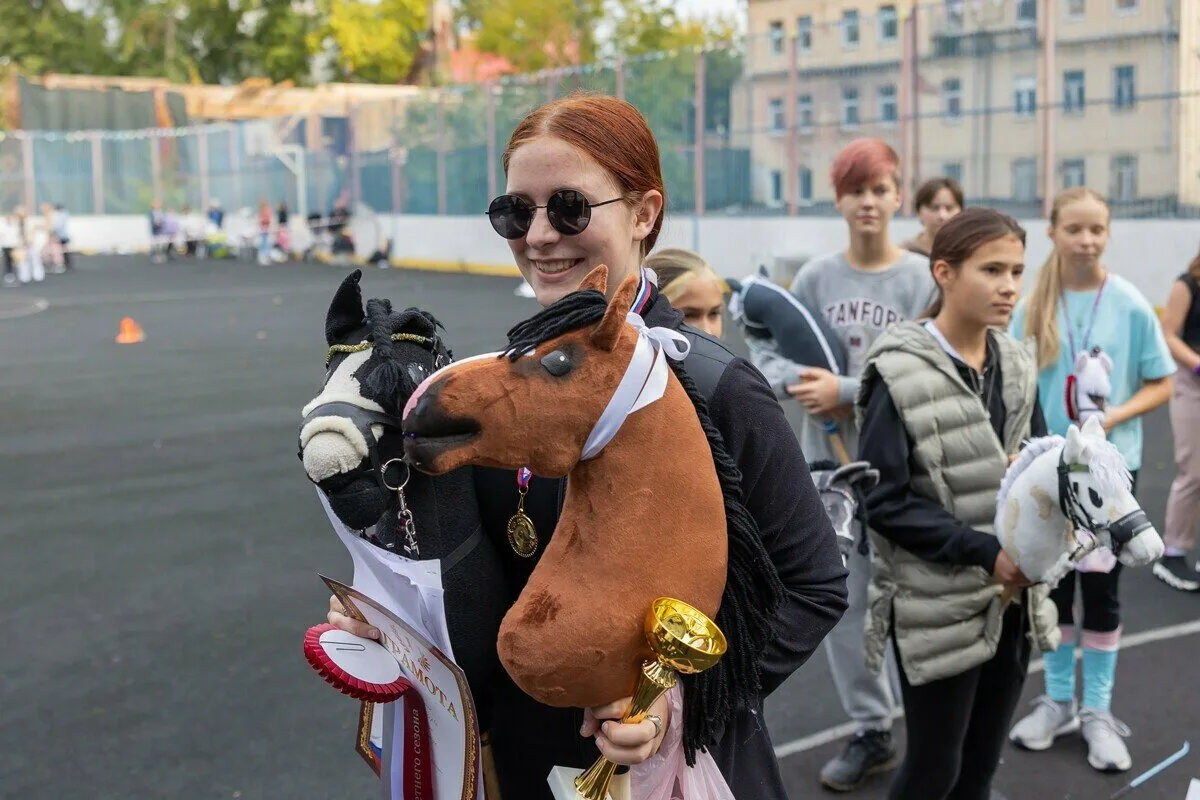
(130,332)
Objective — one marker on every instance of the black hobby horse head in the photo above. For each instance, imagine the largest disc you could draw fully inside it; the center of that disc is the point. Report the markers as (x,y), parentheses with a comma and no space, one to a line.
(352,448)
(351,430)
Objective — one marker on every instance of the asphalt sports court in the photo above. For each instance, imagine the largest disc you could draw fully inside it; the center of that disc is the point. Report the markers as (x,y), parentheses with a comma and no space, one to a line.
(161,546)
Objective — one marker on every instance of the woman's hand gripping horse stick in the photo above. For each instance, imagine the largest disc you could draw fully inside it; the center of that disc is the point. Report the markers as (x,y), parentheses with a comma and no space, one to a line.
(338,618)
(1007,573)
(626,743)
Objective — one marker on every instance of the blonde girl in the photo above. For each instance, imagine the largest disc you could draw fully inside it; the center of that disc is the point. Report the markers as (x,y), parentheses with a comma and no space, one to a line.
(1078,305)
(692,286)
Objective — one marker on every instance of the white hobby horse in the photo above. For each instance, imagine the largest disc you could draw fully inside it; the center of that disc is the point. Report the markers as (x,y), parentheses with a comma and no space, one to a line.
(1063,498)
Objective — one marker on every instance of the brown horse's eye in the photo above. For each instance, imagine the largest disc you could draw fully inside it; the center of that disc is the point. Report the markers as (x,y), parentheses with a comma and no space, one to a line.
(557,363)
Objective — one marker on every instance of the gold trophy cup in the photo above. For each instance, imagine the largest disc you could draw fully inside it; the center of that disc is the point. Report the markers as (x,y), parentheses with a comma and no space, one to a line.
(684,640)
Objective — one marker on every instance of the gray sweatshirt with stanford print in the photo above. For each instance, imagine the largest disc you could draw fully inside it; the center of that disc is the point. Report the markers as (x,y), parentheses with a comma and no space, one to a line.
(859,306)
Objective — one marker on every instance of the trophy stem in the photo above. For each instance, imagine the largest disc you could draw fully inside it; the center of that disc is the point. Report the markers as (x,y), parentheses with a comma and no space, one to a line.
(657,678)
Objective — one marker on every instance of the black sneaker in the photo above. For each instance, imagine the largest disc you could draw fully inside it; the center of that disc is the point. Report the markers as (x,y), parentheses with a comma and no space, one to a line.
(1174,572)
(868,753)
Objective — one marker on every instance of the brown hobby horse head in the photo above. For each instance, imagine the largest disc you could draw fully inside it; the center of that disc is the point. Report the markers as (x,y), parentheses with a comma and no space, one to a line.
(643,518)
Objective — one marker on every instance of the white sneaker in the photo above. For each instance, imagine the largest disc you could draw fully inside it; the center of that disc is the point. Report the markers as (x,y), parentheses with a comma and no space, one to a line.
(1104,735)
(1048,720)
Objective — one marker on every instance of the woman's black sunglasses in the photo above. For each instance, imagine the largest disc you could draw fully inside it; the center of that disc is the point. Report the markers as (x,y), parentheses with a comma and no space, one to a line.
(569,213)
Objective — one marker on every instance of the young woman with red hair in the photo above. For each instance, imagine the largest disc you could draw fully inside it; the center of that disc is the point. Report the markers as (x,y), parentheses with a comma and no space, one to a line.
(584,188)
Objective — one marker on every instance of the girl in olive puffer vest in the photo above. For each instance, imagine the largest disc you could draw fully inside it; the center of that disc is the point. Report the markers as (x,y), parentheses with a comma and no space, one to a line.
(946,403)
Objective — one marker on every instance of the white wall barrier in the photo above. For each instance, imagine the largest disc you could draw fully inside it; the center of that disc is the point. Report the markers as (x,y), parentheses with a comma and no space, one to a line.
(1151,253)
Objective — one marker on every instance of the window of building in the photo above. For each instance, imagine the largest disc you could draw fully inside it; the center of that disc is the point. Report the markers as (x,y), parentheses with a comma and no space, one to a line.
(849,107)
(775,117)
(1123,178)
(889,24)
(804,34)
(776,186)
(806,185)
(1075,9)
(889,110)
(775,35)
(1124,95)
(1074,97)
(804,113)
(850,28)
(1025,96)
(953,170)
(952,98)
(1127,6)
(1024,180)
(1074,173)
(1026,12)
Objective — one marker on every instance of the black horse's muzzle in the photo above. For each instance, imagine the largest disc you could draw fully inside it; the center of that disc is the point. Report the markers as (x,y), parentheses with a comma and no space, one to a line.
(360,496)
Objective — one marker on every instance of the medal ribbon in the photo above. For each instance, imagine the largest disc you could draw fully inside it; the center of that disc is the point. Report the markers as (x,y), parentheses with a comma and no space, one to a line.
(1091,322)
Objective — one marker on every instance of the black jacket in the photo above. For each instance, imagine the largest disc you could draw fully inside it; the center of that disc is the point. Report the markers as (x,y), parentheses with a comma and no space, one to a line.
(918,524)
(528,738)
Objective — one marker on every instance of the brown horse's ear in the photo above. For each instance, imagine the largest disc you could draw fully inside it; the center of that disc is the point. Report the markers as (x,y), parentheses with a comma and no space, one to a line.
(596,279)
(606,334)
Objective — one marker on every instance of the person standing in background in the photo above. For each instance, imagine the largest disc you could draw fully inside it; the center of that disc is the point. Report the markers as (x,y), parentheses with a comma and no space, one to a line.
(860,291)
(937,200)
(1181,326)
(1078,305)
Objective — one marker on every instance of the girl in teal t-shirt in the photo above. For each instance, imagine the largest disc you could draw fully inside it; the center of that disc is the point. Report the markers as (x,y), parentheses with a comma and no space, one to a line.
(1076,306)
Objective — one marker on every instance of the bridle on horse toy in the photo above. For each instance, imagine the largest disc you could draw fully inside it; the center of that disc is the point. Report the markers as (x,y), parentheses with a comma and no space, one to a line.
(1120,532)
(363,419)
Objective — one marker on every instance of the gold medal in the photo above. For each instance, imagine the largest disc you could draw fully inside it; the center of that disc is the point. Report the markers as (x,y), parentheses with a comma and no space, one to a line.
(522,536)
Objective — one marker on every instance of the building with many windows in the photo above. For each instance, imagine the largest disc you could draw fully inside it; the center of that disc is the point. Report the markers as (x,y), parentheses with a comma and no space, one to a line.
(1123,88)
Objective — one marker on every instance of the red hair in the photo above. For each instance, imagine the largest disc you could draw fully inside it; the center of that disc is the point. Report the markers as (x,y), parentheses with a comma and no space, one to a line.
(862,161)
(612,132)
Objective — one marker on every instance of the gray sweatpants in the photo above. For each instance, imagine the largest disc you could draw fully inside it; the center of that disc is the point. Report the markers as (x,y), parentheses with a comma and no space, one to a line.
(867,699)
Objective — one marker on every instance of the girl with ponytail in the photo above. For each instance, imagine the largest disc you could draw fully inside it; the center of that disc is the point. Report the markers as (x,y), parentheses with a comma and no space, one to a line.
(1079,312)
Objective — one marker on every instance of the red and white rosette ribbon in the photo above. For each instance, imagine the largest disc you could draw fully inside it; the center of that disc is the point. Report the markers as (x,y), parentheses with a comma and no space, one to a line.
(366,670)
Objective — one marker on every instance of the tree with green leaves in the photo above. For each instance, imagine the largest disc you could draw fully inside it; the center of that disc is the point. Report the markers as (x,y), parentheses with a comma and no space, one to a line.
(40,36)
(533,35)
(373,42)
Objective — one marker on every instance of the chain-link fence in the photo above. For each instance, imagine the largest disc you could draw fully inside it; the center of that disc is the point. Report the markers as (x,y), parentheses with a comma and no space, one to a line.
(962,88)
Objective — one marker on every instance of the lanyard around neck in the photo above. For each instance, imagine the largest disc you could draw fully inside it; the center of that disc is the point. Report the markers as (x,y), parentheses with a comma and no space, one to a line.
(1091,320)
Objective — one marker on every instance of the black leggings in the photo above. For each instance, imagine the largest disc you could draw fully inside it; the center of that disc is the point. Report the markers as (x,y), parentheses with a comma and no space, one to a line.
(957,726)
(1101,605)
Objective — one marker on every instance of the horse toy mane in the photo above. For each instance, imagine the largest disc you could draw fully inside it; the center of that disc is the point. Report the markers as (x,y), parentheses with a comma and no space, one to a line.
(653,502)
(1063,497)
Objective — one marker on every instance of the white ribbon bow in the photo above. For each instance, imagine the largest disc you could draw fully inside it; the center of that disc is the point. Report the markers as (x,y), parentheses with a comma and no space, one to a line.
(645,380)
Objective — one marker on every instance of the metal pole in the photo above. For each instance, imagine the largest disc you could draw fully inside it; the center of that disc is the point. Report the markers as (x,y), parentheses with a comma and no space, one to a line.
(441,151)
(620,67)
(202,159)
(355,178)
(915,77)
(698,149)
(155,169)
(492,177)
(793,167)
(97,174)
(235,165)
(1049,10)
(30,194)
(907,109)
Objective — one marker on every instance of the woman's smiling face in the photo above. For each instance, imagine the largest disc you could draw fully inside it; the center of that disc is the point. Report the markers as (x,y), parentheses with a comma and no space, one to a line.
(554,263)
